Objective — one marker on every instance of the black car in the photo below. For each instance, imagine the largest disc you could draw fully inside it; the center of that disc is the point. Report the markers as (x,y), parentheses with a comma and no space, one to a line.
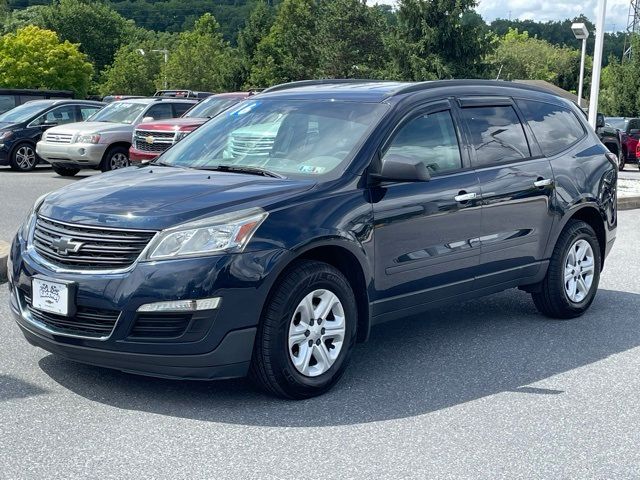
(612,138)
(271,239)
(22,127)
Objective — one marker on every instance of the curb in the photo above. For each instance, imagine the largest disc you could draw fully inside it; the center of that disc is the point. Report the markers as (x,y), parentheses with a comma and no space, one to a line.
(628,203)
(4,254)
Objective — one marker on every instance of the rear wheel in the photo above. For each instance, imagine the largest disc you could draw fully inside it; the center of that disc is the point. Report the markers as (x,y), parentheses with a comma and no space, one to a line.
(307,332)
(116,157)
(65,171)
(23,158)
(573,274)
(622,160)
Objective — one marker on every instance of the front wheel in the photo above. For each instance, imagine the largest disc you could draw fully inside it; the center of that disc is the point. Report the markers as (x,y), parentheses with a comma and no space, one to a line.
(65,171)
(116,157)
(307,332)
(573,274)
(23,158)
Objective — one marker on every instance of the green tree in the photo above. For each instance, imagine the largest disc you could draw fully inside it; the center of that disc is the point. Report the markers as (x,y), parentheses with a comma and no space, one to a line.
(620,85)
(290,51)
(521,57)
(257,27)
(98,28)
(202,59)
(431,41)
(351,40)
(132,72)
(36,58)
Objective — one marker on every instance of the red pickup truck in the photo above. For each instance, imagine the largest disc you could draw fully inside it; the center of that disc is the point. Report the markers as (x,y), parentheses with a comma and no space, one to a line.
(152,138)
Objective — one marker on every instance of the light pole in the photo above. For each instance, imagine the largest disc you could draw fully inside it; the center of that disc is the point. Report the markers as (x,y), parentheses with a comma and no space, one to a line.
(165,52)
(581,33)
(597,63)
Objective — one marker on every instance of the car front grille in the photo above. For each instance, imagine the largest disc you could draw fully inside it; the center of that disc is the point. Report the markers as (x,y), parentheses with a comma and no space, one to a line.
(82,247)
(87,321)
(242,145)
(153,141)
(58,137)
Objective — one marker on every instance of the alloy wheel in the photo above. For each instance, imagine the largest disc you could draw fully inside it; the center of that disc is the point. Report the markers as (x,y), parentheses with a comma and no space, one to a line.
(118,160)
(579,271)
(316,333)
(25,157)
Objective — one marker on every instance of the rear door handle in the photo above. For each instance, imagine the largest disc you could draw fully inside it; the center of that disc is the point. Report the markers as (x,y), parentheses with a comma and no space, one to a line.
(464,197)
(543,182)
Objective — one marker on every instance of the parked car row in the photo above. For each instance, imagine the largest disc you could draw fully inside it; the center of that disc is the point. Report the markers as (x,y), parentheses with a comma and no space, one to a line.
(628,131)
(76,134)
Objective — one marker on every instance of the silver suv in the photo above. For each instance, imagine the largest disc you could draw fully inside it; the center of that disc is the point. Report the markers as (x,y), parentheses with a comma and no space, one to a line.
(103,141)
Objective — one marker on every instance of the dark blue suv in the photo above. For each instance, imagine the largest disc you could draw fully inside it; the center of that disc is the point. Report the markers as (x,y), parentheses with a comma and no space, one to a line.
(270,240)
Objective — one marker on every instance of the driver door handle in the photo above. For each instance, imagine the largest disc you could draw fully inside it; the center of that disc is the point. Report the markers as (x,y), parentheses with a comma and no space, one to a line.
(464,197)
(543,182)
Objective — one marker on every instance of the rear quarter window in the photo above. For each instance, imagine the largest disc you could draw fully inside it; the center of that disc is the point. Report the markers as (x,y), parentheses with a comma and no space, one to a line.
(556,128)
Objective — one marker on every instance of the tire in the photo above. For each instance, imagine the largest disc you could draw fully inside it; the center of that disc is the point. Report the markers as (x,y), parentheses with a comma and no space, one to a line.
(272,365)
(65,171)
(554,298)
(23,158)
(622,160)
(116,157)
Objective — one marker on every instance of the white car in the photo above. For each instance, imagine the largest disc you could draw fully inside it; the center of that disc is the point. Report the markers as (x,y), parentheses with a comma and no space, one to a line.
(103,141)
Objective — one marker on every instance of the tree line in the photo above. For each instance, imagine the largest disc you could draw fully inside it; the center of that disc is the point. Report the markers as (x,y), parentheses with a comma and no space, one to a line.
(95,49)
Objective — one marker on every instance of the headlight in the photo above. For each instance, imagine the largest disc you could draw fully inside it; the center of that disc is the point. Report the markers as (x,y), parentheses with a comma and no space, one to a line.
(180,136)
(6,135)
(223,233)
(28,222)
(93,138)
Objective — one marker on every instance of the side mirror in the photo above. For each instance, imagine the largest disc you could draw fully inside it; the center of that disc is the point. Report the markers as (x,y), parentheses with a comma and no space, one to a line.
(398,168)
(599,120)
(147,119)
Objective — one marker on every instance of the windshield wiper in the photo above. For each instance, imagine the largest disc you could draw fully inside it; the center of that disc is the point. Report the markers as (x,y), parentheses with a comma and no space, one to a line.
(243,169)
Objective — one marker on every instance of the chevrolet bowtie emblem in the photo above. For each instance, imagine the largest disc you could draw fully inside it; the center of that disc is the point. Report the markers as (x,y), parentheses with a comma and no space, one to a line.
(65,246)
(149,139)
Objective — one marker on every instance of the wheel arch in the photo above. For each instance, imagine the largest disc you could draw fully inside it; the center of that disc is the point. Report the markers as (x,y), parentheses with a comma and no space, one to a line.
(591,215)
(339,254)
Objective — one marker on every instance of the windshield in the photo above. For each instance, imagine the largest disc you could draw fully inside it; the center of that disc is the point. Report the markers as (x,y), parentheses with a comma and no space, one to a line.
(290,138)
(118,112)
(211,107)
(617,122)
(22,113)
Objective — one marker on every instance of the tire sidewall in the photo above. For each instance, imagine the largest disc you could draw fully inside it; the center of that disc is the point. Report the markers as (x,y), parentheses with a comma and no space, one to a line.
(588,235)
(621,160)
(106,162)
(313,385)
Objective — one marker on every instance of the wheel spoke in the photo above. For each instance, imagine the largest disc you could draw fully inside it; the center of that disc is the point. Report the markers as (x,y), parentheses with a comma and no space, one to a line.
(301,361)
(581,251)
(322,356)
(296,338)
(327,302)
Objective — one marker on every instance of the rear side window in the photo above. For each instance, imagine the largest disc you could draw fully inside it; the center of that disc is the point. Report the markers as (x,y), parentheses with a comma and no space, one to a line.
(431,139)
(556,128)
(180,108)
(160,111)
(496,134)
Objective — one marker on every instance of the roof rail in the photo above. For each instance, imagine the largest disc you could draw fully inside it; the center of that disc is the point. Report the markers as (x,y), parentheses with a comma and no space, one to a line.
(418,86)
(326,81)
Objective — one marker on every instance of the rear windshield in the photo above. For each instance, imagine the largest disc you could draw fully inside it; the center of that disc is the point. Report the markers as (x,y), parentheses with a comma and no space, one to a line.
(291,138)
(119,112)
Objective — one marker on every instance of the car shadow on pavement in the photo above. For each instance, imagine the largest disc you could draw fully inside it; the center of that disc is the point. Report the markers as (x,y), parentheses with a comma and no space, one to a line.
(410,367)
(11,388)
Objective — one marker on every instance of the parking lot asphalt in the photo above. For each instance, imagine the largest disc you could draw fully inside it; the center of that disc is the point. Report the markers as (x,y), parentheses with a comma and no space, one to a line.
(484,389)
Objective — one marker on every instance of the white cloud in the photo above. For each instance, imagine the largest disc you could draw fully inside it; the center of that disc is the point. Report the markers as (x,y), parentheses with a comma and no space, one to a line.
(545,10)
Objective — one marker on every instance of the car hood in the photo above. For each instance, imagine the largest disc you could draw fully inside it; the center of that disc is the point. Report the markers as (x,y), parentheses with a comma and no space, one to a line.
(91,127)
(155,197)
(184,123)
(6,125)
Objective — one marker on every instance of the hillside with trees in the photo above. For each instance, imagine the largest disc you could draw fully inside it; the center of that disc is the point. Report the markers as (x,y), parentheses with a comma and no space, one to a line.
(237,44)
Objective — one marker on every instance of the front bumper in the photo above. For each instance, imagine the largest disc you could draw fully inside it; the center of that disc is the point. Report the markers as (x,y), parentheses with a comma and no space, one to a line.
(217,344)
(4,154)
(140,156)
(72,154)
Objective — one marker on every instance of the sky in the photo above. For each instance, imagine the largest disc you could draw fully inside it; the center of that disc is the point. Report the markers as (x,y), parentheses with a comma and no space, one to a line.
(544,10)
